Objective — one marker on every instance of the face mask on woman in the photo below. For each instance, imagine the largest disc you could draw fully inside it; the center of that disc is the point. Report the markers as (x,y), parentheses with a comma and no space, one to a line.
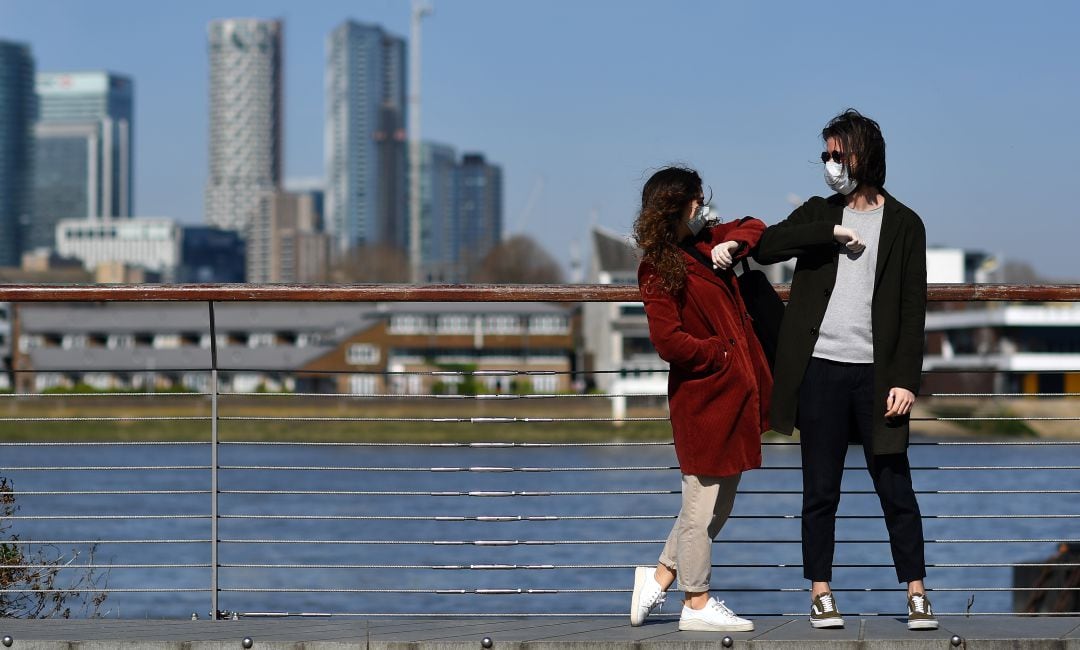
(700,219)
(837,178)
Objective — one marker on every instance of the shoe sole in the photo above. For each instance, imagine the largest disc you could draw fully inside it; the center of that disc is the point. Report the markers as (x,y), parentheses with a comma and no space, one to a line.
(826,624)
(922,625)
(702,626)
(640,576)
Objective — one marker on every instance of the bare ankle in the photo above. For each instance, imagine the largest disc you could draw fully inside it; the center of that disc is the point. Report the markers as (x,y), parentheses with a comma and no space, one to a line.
(818,588)
(664,576)
(696,600)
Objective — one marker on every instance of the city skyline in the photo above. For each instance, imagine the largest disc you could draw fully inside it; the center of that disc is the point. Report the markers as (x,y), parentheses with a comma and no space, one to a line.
(586,120)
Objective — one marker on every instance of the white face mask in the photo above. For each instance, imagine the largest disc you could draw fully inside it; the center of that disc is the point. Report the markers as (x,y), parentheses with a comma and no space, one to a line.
(700,219)
(836,177)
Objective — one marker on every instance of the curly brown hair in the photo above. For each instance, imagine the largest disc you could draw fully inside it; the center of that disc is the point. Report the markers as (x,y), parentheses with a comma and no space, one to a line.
(663,199)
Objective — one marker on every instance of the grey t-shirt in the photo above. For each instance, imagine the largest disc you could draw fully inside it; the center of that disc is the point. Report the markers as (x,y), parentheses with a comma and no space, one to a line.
(846,333)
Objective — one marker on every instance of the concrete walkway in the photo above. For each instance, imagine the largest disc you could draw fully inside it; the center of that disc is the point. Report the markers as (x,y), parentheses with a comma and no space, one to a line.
(528,633)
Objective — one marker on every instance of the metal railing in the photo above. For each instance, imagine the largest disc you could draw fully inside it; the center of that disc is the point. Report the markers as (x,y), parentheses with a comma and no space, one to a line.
(393,527)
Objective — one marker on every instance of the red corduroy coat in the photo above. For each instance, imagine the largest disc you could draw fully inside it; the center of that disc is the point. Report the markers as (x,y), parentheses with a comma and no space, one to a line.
(719,382)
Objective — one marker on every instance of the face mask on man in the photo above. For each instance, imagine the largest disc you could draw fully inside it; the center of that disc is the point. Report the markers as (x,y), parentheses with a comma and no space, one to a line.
(700,219)
(837,178)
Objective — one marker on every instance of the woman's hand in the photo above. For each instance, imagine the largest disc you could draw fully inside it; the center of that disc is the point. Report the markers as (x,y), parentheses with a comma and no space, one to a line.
(848,238)
(899,402)
(723,254)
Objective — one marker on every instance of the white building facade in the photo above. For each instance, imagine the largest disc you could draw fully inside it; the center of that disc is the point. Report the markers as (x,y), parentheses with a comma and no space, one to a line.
(146,242)
(245,119)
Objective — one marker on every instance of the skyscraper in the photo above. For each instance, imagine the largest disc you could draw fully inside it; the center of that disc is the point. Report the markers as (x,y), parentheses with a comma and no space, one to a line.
(17,109)
(245,118)
(84,150)
(438,213)
(479,218)
(364,139)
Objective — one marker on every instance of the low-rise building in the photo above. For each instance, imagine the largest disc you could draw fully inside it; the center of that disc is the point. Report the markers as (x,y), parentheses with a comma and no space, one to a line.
(427,348)
(366,348)
(148,242)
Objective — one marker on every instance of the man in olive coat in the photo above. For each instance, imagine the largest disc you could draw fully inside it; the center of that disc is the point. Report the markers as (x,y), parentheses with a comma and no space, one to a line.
(849,357)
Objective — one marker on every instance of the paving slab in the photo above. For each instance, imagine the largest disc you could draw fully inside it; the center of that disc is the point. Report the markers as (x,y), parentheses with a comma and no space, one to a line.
(534,633)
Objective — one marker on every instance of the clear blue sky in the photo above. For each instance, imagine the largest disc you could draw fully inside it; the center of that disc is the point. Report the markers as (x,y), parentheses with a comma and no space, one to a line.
(979,101)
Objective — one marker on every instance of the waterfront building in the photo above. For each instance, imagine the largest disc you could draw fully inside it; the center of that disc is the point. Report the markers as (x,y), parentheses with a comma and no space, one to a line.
(367,348)
(245,119)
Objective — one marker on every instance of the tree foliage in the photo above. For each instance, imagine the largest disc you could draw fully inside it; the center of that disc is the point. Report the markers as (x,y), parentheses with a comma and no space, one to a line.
(32,577)
(372,263)
(519,260)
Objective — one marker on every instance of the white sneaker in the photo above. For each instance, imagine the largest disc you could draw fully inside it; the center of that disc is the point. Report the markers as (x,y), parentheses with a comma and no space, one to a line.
(713,617)
(647,594)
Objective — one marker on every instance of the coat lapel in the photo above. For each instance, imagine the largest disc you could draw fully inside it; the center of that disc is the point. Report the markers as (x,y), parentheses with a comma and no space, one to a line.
(890,226)
(697,268)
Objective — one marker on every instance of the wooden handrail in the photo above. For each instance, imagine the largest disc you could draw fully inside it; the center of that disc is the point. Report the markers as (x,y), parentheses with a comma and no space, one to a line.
(451,292)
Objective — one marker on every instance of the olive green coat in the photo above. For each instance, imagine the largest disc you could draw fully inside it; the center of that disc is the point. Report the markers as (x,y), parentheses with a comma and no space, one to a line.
(898,310)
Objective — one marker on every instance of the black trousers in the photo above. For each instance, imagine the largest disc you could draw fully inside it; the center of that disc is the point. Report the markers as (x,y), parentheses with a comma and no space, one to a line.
(836,400)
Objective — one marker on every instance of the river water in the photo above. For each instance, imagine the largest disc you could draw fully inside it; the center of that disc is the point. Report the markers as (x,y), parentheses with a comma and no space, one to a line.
(763,530)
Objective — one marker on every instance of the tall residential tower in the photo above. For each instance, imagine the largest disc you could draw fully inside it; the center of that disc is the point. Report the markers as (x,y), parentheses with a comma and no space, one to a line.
(245,119)
(364,139)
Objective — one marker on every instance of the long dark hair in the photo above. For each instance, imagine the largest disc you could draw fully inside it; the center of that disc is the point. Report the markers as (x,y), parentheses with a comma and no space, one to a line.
(859,136)
(663,200)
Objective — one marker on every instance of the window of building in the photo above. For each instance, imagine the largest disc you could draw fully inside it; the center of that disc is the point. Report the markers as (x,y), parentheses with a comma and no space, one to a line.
(547,324)
(30,341)
(545,383)
(98,380)
(199,382)
(74,341)
(362,354)
(502,324)
(408,324)
(261,340)
(166,341)
(454,324)
(363,384)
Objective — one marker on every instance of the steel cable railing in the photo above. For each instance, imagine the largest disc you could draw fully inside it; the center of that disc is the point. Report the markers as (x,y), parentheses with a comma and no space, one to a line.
(288,494)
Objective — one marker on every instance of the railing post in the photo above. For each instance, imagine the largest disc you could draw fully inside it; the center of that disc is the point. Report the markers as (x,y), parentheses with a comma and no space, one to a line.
(213,467)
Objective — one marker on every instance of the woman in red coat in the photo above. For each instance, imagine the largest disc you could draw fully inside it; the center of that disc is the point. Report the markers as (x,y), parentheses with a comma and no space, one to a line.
(718,384)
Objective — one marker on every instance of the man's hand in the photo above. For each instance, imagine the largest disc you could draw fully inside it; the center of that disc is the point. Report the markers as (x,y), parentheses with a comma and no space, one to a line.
(723,254)
(848,238)
(899,402)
